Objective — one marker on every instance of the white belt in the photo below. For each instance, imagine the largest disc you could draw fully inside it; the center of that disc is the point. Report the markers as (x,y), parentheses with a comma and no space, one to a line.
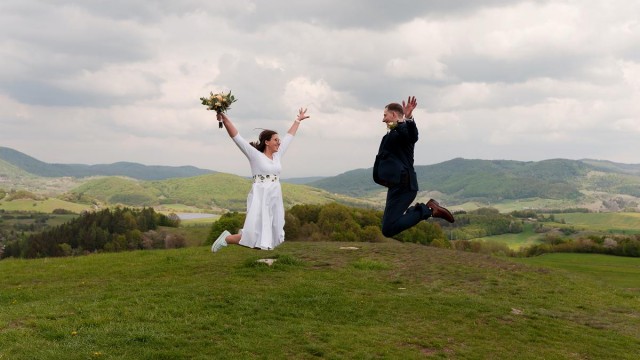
(265,178)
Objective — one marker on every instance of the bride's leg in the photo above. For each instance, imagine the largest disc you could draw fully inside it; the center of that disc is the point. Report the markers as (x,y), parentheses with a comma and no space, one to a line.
(233,239)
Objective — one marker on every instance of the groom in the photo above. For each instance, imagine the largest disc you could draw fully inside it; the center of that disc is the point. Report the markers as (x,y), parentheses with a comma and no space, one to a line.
(393,169)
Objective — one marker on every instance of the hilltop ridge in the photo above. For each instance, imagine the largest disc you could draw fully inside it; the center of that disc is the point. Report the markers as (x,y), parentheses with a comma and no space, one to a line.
(469,183)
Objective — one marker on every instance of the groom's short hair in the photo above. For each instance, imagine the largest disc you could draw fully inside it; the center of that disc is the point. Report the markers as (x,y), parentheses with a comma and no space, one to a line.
(396,108)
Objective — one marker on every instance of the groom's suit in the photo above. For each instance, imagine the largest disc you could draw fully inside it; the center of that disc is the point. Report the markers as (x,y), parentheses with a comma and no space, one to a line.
(394,162)
(393,168)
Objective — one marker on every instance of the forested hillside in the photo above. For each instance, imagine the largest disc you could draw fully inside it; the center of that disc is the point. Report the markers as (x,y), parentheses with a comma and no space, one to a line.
(495,180)
(106,230)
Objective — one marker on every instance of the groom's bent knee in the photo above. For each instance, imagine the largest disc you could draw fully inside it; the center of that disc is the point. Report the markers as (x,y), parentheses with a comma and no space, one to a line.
(388,231)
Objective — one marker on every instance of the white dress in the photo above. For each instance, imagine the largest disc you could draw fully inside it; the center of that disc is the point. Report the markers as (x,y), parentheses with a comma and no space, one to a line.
(264,225)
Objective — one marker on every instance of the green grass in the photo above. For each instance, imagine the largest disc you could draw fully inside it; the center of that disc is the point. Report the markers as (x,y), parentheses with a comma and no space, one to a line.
(515,241)
(614,222)
(385,300)
(621,273)
(43,206)
(510,205)
(628,223)
(200,222)
(195,234)
(177,208)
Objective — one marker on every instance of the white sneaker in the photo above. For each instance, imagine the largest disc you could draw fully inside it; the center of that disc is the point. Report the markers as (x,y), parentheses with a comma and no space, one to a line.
(220,241)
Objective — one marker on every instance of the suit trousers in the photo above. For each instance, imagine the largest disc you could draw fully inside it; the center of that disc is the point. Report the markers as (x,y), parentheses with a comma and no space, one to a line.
(398,216)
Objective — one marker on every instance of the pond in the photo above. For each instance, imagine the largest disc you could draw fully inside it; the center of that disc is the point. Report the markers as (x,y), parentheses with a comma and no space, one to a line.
(192,216)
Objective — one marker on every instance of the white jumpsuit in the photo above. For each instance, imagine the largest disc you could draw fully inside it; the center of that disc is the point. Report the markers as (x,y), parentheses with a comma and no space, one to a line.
(264,225)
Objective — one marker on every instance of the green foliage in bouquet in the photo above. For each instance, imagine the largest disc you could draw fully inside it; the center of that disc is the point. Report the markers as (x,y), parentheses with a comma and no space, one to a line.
(219,102)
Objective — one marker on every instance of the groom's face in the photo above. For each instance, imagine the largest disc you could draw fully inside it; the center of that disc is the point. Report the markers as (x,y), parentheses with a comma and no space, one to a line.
(389,116)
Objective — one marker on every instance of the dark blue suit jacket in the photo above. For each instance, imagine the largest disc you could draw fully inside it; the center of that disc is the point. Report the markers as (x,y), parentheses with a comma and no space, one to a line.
(394,162)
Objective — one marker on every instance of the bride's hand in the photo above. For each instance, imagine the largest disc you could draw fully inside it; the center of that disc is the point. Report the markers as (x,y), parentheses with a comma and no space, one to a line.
(302,114)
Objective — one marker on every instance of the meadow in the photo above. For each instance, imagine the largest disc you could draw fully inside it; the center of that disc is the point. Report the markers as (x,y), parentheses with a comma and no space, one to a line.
(618,222)
(382,300)
(621,273)
(526,238)
(42,206)
(597,223)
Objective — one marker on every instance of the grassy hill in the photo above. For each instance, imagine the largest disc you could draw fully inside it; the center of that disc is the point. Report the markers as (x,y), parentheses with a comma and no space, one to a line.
(383,300)
(43,206)
(10,171)
(458,181)
(471,179)
(556,183)
(214,192)
(356,183)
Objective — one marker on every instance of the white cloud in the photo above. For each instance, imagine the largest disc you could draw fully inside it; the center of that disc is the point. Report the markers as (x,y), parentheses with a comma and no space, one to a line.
(517,80)
(131,81)
(302,92)
(465,95)
(627,125)
(631,74)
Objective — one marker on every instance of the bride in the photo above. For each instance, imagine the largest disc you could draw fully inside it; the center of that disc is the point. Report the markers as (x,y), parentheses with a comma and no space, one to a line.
(264,224)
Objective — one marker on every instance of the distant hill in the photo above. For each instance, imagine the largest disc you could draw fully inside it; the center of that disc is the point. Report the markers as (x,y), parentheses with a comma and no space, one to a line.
(302,180)
(609,166)
(494,180)
(357,182)
(129,169)
(597,184)
(10,171)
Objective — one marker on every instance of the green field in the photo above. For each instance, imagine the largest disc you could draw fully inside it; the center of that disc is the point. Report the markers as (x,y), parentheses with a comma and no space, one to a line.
(621,273)
(627,223)
(513,205)
(43,206)
(27,223)
(383,300)
(615,222)
(195,234)
(516,241)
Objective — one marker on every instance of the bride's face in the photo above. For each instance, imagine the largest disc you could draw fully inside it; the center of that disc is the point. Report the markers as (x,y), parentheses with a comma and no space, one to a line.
(273,144)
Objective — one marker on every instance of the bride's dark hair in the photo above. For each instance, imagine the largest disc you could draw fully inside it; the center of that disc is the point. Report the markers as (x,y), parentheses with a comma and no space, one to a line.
(265,135)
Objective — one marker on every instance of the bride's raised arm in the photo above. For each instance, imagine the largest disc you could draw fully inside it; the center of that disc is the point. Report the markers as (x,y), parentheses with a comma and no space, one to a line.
(302,114)
(231,129)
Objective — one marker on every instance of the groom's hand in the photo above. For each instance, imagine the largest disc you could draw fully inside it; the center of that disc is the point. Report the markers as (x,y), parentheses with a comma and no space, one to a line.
(409,106)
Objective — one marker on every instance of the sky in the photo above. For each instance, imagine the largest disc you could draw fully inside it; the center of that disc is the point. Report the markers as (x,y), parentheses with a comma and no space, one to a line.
(97,82)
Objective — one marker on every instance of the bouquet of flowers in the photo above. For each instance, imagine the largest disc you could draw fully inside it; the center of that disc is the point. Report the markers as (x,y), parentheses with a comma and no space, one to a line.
(219,102)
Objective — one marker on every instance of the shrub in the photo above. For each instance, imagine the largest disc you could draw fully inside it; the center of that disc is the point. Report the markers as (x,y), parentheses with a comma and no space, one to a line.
(423,233)
(65,249)
(153,240)
(22,194)
(372,233)
(230,221)
(174,241)
(483,247)
(306,213)
(62,212)
(291,226)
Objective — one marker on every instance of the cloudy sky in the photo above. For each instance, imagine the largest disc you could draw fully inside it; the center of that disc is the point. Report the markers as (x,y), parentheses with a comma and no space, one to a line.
(97,81)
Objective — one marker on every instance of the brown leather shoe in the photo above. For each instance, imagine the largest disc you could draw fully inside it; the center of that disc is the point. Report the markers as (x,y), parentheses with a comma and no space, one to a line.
(439,212)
